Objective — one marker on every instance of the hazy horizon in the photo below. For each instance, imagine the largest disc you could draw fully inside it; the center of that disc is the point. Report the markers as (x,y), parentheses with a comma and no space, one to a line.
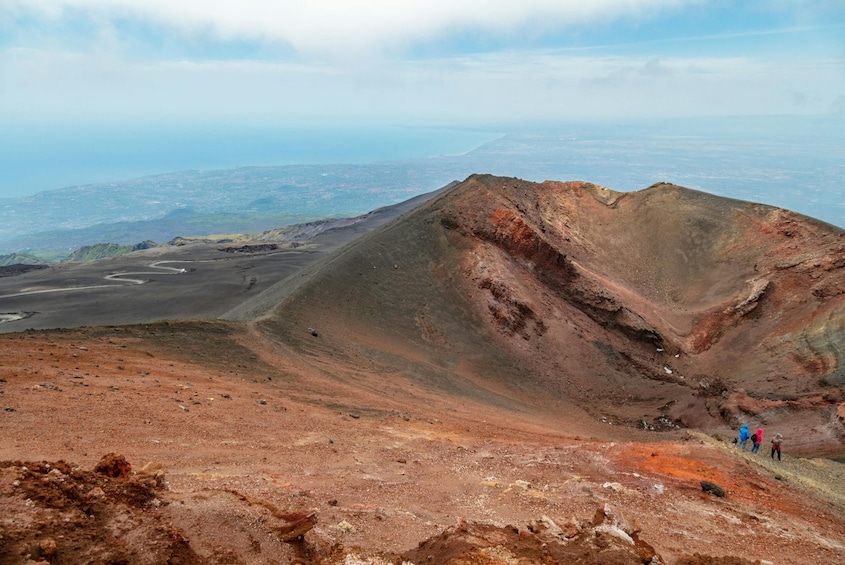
(791,162)
(95,91)
(48,157)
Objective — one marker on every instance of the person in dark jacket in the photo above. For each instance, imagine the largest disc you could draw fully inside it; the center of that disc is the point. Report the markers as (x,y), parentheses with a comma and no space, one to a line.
(776,445)
(743,436)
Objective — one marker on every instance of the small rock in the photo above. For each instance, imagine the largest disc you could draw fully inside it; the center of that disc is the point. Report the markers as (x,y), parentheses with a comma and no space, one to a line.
(571,528)
(712,488)
(345,526)
(151,469)
(546,525)
(113,465)
(48,547)
(262,401)
(96,493)
(610,516)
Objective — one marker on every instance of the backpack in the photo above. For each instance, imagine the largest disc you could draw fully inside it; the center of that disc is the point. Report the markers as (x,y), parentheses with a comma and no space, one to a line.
(754,438)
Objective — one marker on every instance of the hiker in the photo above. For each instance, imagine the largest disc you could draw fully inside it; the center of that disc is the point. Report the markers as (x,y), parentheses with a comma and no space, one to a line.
(776,445)
(743,436)
(757,439)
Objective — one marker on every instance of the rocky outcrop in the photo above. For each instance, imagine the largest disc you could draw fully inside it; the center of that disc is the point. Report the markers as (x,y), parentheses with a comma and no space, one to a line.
(607,539)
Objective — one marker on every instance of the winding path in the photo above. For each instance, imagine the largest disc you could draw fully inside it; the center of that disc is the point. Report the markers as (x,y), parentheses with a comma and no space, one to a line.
(120,277)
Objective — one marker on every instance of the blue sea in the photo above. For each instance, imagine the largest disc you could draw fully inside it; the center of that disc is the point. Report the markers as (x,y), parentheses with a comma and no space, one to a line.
(791,162)
(35,158)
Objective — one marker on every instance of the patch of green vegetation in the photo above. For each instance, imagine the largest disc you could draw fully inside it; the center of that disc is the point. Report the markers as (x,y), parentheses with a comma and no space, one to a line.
(63,242)
(48,255)
(99,251)
(20,259)
(102,250)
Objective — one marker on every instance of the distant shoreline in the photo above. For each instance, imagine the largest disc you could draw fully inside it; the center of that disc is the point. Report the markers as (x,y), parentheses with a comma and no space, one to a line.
(785,162)
(45,159)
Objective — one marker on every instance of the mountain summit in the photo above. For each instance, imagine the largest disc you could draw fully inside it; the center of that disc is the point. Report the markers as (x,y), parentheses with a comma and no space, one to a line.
(656,309)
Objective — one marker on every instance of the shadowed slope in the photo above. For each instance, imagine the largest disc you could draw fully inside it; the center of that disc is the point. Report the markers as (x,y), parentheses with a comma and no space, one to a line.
(658,308)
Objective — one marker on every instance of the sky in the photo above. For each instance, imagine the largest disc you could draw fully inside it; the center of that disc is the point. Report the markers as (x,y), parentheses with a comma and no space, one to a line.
(417,61)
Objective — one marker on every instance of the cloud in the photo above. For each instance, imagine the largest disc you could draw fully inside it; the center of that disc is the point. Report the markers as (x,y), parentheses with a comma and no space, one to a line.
(338,27)
(492,87)
(400,60)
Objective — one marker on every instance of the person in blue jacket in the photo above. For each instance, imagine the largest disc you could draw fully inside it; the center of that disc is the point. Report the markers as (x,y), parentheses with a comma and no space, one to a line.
(743,436)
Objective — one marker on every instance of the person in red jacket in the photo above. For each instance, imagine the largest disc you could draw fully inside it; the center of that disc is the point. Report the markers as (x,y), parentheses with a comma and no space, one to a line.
(776,445)
(757,439)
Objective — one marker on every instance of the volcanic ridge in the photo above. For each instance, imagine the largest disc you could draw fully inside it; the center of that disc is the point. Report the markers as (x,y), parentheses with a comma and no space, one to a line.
(500,372)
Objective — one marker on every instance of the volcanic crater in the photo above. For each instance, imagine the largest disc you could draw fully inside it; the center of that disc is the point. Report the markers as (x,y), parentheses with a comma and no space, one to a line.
(500,372)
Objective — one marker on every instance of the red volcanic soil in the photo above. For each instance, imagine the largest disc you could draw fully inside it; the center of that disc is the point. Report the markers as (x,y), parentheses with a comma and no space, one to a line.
(232,443)
(509,373)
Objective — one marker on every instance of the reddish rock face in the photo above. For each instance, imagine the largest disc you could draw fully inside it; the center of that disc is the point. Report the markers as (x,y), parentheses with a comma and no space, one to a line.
(661,308)
(113,465)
